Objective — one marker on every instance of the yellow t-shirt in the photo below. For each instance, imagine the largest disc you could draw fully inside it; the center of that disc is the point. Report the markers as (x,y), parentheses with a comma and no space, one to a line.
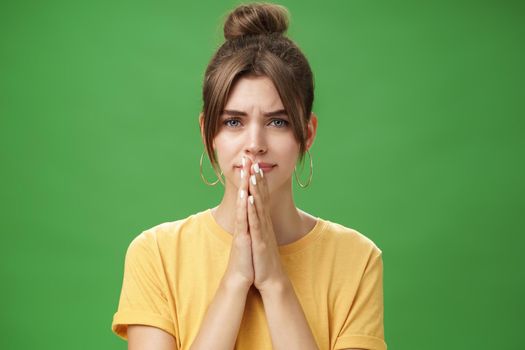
(172,271)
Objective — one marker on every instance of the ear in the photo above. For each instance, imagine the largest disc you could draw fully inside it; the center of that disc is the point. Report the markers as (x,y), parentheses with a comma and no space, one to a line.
(312,130)
(201,126)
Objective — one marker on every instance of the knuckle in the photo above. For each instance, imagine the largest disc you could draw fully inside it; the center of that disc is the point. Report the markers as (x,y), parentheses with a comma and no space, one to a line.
(241,240)
(260,247)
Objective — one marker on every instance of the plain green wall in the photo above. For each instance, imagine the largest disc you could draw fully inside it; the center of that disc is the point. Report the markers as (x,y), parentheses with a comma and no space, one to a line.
(420,147)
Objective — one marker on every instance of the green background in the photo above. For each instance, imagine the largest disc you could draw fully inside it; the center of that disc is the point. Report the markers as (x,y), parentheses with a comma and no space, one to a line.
(419,147)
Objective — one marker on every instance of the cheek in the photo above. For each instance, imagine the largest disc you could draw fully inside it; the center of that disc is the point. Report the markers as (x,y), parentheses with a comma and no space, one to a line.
(291,153)
(227,151)
(224,149)
(287,158)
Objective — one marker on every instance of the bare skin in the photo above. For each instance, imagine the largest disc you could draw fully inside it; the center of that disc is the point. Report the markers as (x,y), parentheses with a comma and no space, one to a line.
(257,229)
(262,141)
(298,224)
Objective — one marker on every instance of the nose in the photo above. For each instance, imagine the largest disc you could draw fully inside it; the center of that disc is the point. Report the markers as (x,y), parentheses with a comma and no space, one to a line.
(256,142)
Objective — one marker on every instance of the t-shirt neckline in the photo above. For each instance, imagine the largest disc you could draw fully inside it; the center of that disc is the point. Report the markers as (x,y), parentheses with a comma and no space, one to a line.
(289,248)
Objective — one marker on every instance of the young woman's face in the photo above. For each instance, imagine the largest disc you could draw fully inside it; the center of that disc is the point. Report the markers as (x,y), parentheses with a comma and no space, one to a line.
(255,124)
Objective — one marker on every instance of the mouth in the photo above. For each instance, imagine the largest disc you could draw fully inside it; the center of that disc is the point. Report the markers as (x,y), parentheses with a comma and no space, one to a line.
(267,167)
(264,166)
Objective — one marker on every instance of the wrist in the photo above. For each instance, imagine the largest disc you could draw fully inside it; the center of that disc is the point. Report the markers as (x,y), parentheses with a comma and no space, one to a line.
(235,283)
(276,287)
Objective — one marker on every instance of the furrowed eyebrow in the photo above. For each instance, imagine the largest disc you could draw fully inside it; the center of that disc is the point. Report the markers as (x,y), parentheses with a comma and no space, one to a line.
(235,113)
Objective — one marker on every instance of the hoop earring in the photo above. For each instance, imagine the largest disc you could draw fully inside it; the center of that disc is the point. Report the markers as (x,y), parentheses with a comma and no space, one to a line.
(202,176)
(311,172)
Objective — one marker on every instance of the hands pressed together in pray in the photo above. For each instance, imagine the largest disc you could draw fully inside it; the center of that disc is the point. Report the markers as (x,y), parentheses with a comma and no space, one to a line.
(254,255)
(255,260)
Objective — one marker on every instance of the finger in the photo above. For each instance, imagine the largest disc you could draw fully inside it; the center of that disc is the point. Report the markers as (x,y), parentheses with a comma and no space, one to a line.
(241,225)
(246,162)
(258,189)
(242,197)
(253,219)
(254,191)
(261,182)
(264,189)
(245,182)
(245,173)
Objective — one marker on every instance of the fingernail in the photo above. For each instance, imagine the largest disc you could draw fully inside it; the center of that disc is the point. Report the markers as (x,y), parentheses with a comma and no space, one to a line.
(242,194)
(243,161)
(261,171)
(254,182)
(256,167)
(242,173)
(250,198)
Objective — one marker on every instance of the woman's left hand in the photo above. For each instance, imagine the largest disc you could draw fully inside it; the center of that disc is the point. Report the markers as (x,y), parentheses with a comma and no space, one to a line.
(269,271)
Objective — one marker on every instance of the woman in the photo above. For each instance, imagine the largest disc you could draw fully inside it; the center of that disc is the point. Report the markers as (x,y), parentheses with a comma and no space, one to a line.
(254,272)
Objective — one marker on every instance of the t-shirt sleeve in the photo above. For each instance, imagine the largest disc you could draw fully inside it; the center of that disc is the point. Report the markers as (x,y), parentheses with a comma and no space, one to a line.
(363,327)
(143,298)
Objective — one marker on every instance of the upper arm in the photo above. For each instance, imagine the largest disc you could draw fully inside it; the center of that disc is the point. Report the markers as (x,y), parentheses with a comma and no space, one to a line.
(141,337)
(363,323)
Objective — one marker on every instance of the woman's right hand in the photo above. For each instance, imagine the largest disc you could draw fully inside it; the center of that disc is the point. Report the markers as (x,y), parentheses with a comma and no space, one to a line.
(240,266)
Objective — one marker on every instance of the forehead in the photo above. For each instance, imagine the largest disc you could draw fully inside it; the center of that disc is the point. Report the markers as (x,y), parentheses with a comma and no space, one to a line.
(254,92)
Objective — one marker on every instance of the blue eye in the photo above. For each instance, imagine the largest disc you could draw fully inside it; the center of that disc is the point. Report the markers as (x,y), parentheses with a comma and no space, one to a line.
(230,120)
(283,122)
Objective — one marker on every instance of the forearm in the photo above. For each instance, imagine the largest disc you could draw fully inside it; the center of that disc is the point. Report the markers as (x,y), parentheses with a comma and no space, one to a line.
(286,320)
(221,324)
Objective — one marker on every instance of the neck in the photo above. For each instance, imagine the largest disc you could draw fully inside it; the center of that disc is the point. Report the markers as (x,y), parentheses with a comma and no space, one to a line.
(286,218)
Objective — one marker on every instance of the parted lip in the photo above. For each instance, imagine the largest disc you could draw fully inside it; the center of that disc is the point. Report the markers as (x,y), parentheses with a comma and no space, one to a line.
(261,165)
(266,165)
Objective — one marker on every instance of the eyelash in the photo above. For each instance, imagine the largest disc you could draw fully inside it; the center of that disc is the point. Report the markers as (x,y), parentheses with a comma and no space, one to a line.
(236,119)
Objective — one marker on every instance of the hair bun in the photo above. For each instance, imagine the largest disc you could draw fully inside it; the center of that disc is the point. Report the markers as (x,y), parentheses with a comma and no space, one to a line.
(256,18)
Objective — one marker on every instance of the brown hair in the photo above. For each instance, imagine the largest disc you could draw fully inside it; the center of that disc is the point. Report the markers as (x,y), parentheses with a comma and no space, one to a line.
(255,45)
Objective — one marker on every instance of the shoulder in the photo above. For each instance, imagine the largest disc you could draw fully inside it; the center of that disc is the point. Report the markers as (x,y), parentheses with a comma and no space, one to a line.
(351,251)
(165,233)
(350,239)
